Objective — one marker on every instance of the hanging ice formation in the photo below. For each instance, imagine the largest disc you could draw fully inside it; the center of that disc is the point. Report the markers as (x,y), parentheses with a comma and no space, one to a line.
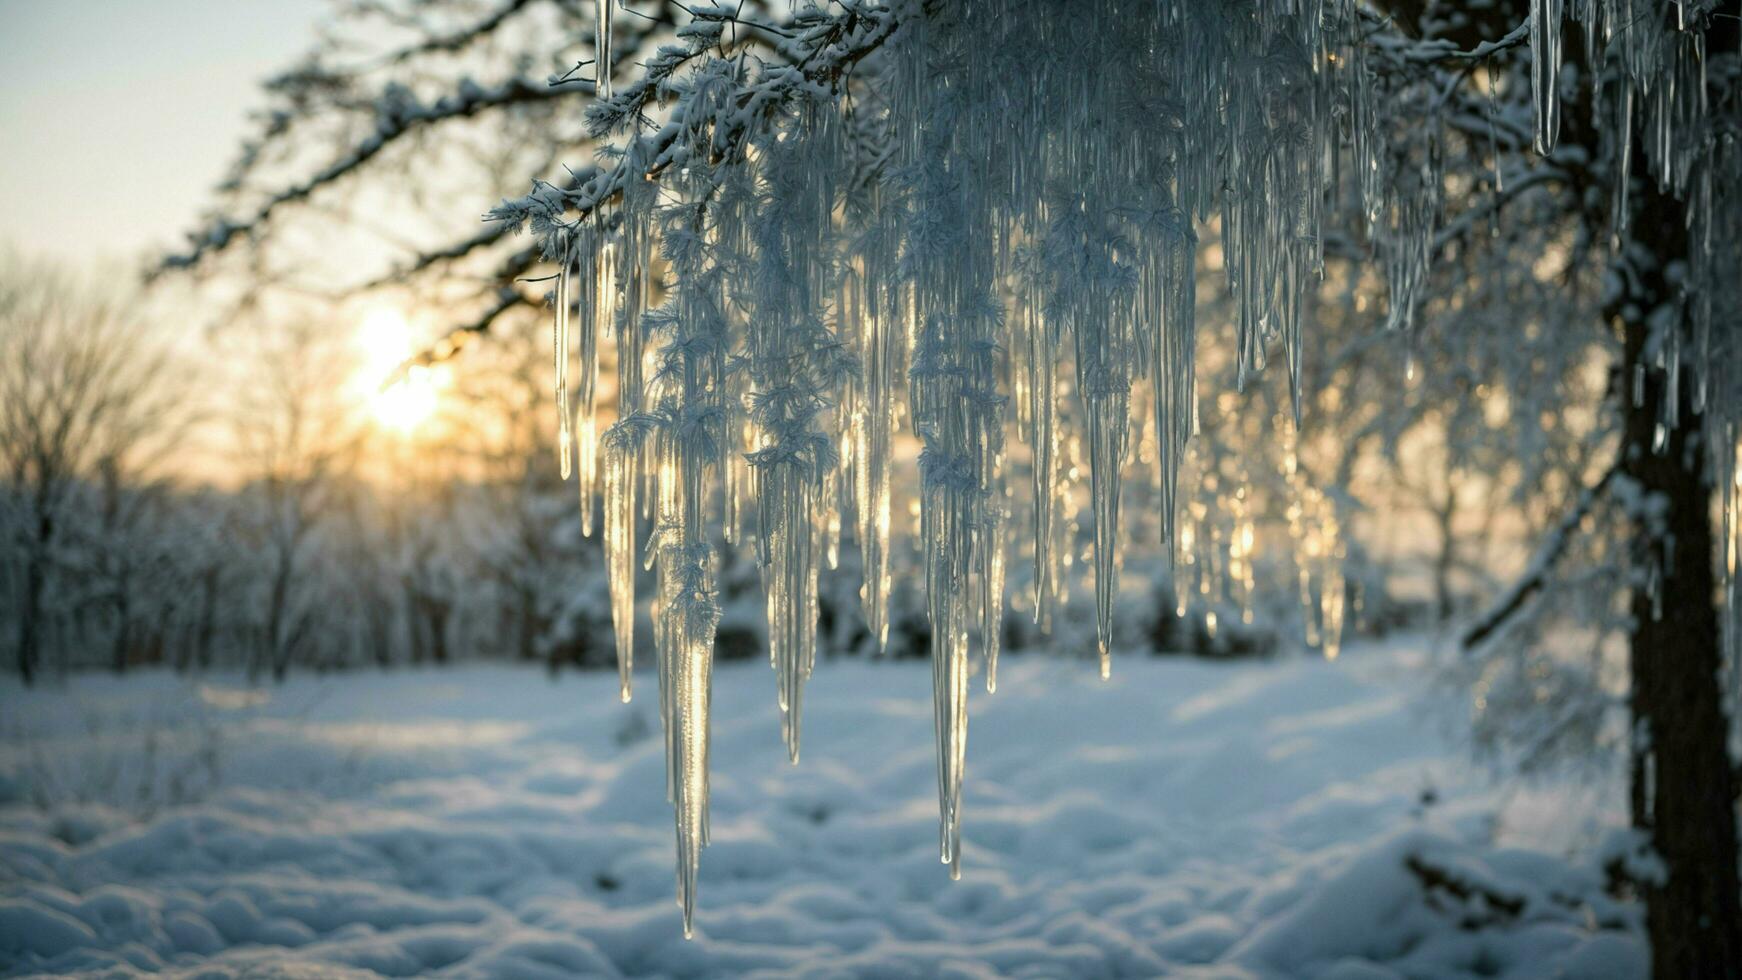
(604,12)
(1545,70)
(817,258)
(1023,181)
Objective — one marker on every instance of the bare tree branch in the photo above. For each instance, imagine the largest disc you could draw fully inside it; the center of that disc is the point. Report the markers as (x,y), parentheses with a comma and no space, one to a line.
(1536,574)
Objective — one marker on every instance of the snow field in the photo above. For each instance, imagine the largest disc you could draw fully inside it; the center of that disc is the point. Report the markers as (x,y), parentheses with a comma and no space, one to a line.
(1186,819)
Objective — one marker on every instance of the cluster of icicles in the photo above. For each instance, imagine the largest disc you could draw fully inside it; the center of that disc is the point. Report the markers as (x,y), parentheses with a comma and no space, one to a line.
(778,318)
(1007,222)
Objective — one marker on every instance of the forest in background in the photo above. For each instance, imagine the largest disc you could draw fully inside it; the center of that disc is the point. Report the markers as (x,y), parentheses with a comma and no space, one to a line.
(286,505)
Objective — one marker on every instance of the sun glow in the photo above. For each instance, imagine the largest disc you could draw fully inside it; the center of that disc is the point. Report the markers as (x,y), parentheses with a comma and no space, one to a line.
(408,403)
(386,342)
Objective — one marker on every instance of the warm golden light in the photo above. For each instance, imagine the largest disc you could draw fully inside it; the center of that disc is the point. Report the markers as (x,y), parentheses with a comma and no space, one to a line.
(385,341)
(406,404)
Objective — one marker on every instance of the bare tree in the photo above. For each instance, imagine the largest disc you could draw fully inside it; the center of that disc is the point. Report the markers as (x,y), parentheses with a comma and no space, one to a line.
(86,406)
(296,437)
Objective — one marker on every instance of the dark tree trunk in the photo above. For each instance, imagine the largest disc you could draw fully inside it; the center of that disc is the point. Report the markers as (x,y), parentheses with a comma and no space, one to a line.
(29,629)
(277,653)
(381,630)
(35,578)
(436,613)
(1684,793)
(1447,557)
(527,629)
(202,651)
(121,653)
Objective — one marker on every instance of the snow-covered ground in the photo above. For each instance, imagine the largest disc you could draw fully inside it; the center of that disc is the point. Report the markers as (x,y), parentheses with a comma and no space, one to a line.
(1286,819)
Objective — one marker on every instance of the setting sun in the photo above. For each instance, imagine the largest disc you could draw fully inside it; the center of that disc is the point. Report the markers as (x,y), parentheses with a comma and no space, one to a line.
(408,403)
(385,340)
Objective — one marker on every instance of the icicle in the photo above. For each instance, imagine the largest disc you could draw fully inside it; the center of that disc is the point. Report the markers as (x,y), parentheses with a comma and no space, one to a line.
(692,680)
(957,411)
(686,622)
(791,348)
(604,12)
(1107,416)
(1174,371)
(565,437)
(991,551)
(620,555)
(1043,442)
(1545,67)
(958,419)
(593,307)
(789,580)
(873,429)
(587,455)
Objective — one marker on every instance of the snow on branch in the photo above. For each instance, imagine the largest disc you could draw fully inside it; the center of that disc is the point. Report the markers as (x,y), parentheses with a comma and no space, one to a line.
(1441,50)
(822,52)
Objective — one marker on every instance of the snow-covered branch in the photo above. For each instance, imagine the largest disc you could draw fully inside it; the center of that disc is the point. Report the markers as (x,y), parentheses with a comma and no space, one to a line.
(823,51)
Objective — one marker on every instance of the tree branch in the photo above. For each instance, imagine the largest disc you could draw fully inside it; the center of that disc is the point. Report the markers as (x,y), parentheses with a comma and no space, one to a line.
(391,124)
(834,48)
(1535,577)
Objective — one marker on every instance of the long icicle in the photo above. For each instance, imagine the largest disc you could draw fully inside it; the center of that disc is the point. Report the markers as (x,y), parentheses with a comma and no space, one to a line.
(604,12)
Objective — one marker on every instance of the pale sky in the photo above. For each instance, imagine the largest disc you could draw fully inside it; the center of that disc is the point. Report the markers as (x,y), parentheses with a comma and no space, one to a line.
(117,117)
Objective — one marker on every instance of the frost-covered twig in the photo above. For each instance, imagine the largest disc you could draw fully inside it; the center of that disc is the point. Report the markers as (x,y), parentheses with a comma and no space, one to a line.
(1441,51)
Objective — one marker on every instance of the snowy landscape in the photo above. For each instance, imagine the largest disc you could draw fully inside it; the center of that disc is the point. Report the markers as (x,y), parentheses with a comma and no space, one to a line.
(1293,819)
(1226,488)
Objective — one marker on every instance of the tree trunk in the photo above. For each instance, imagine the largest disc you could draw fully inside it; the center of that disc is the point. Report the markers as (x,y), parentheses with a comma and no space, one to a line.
(381,630)
(119,655)
(1683,793)
(35,578)
(277,601)
(528,630)
(29,630)
(202,652)
(1447,557)
(436,613)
